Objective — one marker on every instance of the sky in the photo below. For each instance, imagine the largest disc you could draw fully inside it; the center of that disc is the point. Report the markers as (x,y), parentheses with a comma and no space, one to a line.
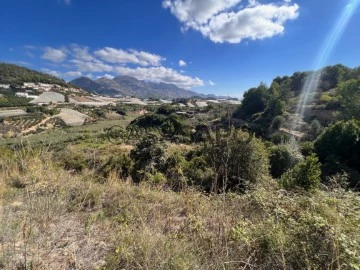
(221,47)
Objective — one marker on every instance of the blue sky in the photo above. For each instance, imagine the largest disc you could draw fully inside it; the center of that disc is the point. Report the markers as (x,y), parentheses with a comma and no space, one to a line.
(210,46)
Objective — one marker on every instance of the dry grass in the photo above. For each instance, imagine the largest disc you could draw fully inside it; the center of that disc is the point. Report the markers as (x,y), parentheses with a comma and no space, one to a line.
(51,219)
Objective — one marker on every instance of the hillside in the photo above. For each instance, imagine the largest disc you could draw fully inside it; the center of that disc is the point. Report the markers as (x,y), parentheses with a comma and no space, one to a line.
(129,86)
(16,75)
(114,86)
(268,109)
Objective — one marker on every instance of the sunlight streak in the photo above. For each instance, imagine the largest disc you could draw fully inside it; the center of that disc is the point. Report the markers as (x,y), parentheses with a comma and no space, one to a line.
(312,82)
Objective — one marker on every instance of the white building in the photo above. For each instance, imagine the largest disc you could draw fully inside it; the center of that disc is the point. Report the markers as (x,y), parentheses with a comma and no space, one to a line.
(25,95)
(5,86)
(46,87)
(20,94)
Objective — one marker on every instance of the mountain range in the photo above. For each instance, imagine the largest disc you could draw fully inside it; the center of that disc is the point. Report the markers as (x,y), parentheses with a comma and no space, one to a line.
(129,86)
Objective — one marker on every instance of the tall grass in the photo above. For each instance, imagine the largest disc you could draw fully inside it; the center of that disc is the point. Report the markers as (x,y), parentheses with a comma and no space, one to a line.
(54,219)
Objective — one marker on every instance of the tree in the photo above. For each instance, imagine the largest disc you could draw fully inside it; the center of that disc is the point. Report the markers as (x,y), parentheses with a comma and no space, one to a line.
(315,128)
(305,175)
(340,142)
(255,101)
(165,110)
(331,76)
(297,81)
(349,97)
(282,158)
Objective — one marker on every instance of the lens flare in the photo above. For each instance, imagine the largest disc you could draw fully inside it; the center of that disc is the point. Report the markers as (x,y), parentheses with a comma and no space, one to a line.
(312,82)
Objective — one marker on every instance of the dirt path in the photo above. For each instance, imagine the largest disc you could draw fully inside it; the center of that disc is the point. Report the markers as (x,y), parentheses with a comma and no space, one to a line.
(34,128)
(296,134)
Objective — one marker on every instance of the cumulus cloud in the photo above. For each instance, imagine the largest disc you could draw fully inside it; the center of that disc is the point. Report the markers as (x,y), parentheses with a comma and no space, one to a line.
(120,56)
(81,53)
(161,74)
(91,66)
(148,59)
(226,21)
(198,11)
(54,55)
(182,63)
(79,61)
(211,83)
(73,74)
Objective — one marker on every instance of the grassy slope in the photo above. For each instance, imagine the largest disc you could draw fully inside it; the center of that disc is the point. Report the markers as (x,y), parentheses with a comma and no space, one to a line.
(12,74)
(51,219)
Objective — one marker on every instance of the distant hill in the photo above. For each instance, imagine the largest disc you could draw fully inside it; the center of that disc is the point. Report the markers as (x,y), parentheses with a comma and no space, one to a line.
(116,88)
(16,75)
(129,86)
(86,84)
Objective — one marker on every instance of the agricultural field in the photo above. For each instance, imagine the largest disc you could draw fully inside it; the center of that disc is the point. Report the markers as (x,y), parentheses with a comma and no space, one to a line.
(18,124)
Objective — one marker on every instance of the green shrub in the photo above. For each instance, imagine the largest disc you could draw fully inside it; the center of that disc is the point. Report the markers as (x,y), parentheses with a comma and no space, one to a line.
(315,128)
(149,120)
(306,148)
(305,175)
(174,170)
(349,97)
(148,157)
(120,164)
(73,161)
(238,159)
(156,178)
(282,158)
(280,137)
(340,144)
(277,122)
(166,110)
(199,173)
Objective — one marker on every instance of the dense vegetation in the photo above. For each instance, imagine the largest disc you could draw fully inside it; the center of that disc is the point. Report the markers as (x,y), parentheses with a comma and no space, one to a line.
(10,100)
(338,90)
(15,75)
(267,109)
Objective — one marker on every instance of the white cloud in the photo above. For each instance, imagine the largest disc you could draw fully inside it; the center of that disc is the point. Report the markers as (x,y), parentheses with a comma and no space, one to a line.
(182,63)
(81,53)
(252,2)
(225,21)
(79,61)
(147,59)
(91,66)
(197,11)
(73,74)
(161,74)
(120,56)
(54,55)
(211,83)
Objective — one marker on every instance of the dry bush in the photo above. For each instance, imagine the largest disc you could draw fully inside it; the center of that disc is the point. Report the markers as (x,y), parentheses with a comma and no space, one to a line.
(64,221)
